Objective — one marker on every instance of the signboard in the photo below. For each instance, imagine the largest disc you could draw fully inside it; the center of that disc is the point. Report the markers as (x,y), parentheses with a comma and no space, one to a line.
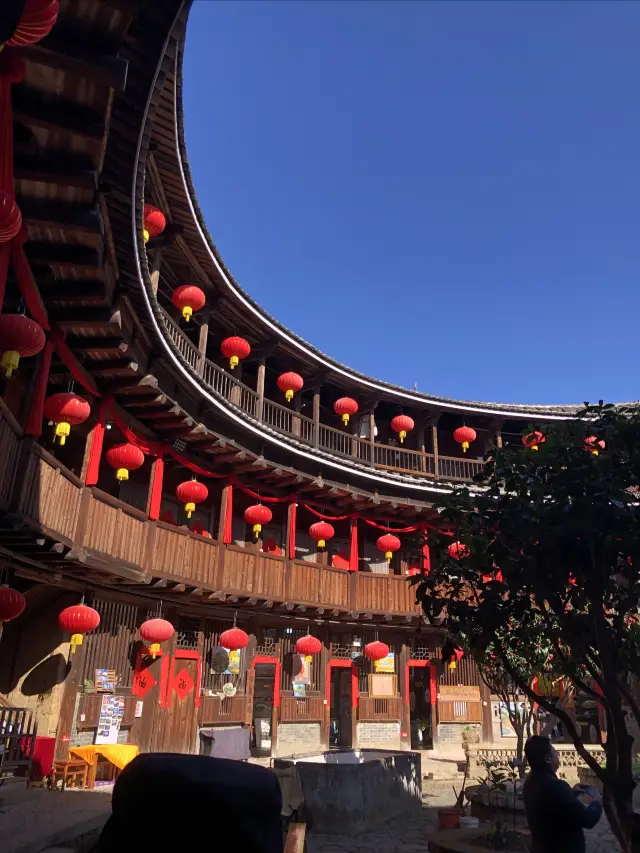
(382,686)
(111,713)
(234,662)
(304,676)
(385,664)
(299,690)
(459,693)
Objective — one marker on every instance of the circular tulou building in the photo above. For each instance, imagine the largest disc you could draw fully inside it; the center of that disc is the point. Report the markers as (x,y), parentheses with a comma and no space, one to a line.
(207,525)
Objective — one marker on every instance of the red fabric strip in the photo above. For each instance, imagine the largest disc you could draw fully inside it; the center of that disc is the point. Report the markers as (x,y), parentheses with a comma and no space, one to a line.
(26,281)
(292,530)
(34,418)
(328,517)
(97,439)
(80,375)
(264,498)
(155,499)
(411,529)
(353,550)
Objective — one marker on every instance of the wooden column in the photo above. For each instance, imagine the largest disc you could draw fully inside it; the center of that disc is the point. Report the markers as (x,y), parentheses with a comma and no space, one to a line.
(434,438)
(372,436)
(403,683)
(235,396)
(295,422)
(260,387)
(75,668)
(155,271)
(422,446)
(316,416)
(498,434)
(202,342)
(224,502)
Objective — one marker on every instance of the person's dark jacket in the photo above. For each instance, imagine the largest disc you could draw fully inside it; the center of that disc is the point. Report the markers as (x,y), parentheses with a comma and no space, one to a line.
(555,814)
(167,803)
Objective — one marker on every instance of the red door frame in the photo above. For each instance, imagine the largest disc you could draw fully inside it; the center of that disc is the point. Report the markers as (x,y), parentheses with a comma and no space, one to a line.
(355,693)
(276,685)
(433,690)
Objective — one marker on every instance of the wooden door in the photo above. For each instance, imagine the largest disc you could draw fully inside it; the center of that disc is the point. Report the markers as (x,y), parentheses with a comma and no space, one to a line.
(177,718)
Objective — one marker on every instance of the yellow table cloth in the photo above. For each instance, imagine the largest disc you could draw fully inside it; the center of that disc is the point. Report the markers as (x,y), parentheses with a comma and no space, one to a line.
(119,754)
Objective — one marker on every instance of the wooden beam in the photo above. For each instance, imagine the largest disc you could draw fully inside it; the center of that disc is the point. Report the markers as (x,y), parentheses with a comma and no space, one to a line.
(81,344)
(70,53)
(57,114)
(82,292)
(56,168)
(70,255)
(84,218)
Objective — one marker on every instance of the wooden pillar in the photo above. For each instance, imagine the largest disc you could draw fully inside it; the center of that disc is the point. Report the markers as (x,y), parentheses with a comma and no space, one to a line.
(403,682)
(422,446)
(316,416)
(157,473)
(295,422)
(155,271)
(372,436)
(434,438)
(202,342)
(498,434)
(224,508)
(68,704)
(260,387)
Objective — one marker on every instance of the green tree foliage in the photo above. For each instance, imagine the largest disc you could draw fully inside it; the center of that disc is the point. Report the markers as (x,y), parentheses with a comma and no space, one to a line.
(548,583)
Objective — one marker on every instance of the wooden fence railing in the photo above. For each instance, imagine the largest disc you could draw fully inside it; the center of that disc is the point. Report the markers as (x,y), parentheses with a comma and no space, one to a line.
(336,441)
(294,709)
(373,710)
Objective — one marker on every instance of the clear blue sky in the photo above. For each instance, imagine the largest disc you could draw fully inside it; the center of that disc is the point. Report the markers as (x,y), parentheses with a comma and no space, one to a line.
(445,193)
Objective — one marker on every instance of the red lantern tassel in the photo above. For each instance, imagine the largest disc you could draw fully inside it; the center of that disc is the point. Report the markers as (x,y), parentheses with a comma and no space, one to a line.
(228,516)
(97,439)
(292,530)
(34,419)
(353,551)
(155,499)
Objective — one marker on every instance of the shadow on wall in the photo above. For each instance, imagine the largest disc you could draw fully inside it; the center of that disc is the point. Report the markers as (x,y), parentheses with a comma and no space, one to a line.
(30,645)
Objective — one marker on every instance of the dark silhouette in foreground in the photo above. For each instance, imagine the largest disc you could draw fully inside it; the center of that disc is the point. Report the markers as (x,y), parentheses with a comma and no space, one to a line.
(166,803)
(555,811)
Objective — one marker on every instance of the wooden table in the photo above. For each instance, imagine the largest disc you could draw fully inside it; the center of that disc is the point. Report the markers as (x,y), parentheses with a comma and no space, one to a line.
(118,754)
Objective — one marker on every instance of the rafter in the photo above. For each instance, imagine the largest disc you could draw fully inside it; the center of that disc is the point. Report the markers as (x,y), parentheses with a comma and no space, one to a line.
(84,218)
(66,52)
(33,108)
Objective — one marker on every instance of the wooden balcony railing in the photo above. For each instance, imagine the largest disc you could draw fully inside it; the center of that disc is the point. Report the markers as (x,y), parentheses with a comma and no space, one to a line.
(100,530)
(307,708)
(335,441)
(374,710)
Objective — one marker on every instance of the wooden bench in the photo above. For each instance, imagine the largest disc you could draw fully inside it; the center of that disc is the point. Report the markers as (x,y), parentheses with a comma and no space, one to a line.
(71,772)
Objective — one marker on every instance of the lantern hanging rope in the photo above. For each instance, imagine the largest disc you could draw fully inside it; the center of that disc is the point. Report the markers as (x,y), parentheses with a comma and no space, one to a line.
(78,620)
(464,435)
(65,409)
(190,493)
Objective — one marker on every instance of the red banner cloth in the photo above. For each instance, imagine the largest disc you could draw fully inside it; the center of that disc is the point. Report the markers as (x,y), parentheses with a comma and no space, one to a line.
(292,530)
(97,440)
(353,549)
(228,513)
(155,499)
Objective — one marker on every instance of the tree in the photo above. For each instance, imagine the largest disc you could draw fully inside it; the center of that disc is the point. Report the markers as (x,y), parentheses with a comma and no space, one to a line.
(546,577)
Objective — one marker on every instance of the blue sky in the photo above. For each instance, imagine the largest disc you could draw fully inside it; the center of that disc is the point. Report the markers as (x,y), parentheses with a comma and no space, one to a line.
(445,193)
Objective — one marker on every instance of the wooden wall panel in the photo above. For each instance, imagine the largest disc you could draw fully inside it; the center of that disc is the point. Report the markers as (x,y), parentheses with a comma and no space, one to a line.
(9,450)
(114,531)
(253,572)
(50,496)
(179,553)
(383,593)
(110,646)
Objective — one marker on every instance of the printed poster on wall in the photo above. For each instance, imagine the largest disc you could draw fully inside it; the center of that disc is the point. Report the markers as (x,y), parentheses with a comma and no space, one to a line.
(385,664)
(304,676)
(234,662)
(111,713)
(299,690)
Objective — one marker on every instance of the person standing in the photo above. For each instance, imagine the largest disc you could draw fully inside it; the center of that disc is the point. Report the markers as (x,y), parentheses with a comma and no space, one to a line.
(556,815)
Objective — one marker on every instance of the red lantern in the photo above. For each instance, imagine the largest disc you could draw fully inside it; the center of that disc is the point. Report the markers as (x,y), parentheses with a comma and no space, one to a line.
(388,543)
(234,639)
(257,515)
(456,655)
(234,349)
(376,650)
(345,407)
(190,493)
(154,222)
(533,440)
(36,21)
(464,435)
(188,298)
(10,217)
(594,445)
(154,632)
(458,550)
(20,337)
(321,531)
(124,458)
(308,645)
(65,410)
(78,620)
(402,424)
(289,383)
(12,603)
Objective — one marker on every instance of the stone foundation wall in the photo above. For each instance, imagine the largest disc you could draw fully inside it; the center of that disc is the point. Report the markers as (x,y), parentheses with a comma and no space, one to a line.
(450,734)
(378,736)
(298,738)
